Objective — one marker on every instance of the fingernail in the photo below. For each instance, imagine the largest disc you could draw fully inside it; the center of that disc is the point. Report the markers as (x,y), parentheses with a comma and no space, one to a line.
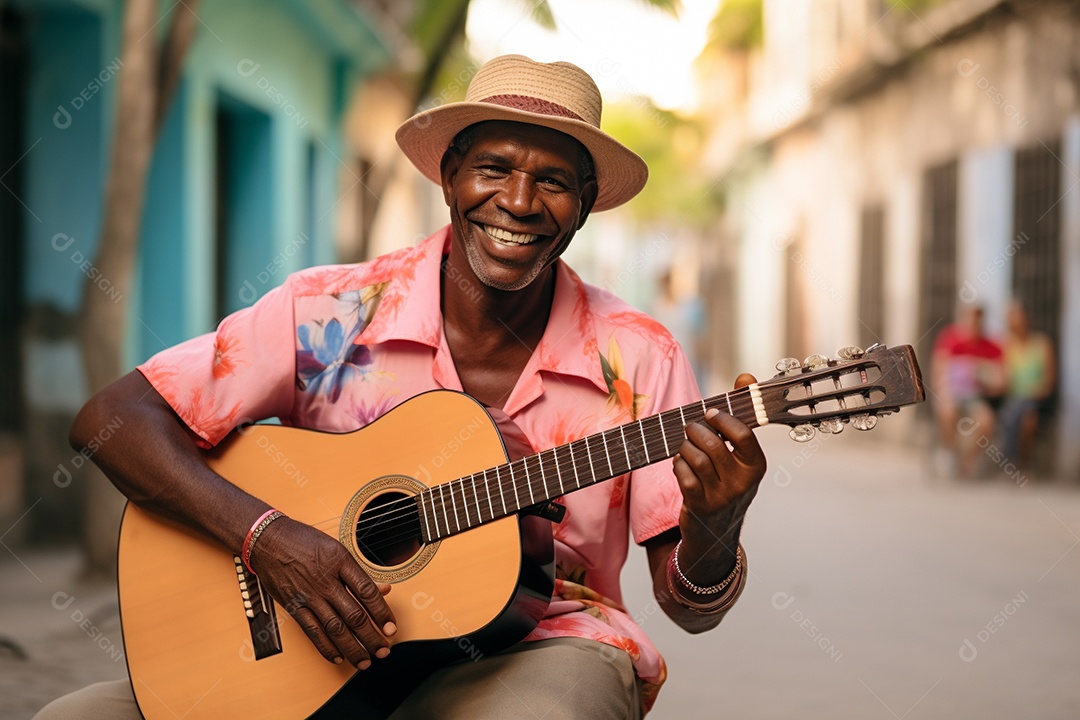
(337,661)
(364,664)
(389,628)
(382,652)
(711,413)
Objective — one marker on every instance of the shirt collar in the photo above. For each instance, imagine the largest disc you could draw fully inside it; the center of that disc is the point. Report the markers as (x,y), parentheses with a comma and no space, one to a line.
(410,309)
(410,305)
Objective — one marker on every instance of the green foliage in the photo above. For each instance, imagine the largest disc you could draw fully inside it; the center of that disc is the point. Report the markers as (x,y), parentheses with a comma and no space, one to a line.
(737,26)
(671,145)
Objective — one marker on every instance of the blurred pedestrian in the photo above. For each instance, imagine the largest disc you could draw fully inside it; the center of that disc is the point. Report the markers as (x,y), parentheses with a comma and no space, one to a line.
(1030,373)
(968,376)
(684,317)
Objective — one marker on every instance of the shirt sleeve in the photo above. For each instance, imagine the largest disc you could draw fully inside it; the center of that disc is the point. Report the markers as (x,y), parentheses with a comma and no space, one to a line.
(243,372)
(655,498)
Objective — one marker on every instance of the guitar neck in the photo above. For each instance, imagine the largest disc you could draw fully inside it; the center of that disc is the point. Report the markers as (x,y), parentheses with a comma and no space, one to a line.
(497,492)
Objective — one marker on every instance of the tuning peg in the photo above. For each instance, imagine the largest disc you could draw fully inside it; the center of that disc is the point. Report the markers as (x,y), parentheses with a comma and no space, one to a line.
(802,433)
(864,422)
(788,365)
(833,426)
(849,352)
(815,361)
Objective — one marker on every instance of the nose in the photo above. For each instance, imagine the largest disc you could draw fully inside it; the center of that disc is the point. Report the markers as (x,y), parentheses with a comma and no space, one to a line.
(518,194)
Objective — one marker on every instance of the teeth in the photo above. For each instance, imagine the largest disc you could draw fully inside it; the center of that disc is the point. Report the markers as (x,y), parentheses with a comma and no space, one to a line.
(508,238)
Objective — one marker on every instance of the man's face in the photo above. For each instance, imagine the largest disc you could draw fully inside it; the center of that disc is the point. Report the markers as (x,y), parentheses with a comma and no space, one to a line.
(516,200)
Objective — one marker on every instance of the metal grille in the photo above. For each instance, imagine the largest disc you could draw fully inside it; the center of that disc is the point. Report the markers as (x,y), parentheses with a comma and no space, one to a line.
(871,310)
(1036,279)
(937,272)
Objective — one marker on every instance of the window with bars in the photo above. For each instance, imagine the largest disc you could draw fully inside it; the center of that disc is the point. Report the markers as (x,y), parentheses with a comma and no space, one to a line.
(937,263)
(871,309)
(1036,273)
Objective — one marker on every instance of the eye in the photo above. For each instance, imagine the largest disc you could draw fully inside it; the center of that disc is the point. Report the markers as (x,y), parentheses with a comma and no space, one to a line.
(493,170)
(552,183)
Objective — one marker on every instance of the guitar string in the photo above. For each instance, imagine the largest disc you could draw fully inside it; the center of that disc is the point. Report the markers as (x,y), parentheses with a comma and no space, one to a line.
(652,433)
(404,507)
(408,508)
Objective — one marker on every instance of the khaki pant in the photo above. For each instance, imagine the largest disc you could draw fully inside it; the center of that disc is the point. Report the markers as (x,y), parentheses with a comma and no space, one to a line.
(556,679)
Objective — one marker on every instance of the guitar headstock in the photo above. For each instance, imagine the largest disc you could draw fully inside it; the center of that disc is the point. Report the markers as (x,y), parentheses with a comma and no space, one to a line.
(857,387)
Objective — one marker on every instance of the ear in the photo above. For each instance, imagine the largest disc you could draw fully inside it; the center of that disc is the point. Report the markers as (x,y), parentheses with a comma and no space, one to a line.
(588,199)
(448,168)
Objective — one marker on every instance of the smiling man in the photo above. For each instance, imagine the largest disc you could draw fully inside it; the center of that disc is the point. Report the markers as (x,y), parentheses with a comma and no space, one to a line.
(483,306)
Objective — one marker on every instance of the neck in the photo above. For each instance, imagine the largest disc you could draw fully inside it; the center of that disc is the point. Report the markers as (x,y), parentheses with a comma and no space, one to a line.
(460,504)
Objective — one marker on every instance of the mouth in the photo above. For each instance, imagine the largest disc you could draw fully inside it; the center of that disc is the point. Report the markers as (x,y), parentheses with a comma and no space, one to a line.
(505,237)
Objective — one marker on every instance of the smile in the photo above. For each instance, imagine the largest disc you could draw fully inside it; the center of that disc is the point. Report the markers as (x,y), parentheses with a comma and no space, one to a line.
(505,237)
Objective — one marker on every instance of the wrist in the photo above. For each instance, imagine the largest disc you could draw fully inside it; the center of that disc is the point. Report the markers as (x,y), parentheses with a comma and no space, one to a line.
(713,599)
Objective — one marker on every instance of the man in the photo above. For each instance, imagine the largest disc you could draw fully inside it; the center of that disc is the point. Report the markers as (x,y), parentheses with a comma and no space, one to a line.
(486,307)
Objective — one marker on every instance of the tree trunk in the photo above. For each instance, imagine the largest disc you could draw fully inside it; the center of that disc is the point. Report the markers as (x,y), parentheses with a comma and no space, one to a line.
(140,111)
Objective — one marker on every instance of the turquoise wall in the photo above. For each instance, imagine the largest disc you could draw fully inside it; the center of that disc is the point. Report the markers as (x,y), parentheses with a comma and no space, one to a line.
(65,161)
(282,92)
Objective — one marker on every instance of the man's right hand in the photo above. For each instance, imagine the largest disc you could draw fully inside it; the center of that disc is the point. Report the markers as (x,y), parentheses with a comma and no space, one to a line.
(320,584)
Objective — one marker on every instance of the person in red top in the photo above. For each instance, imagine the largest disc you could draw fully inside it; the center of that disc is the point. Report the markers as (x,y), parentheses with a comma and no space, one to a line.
(968,374)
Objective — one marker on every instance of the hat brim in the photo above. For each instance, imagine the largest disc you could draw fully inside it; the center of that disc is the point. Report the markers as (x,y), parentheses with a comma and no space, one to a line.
(620,173)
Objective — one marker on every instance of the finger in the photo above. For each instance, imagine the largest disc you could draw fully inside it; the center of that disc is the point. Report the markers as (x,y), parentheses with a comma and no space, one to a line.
(744,379)
(370,596)
(744,443)
(314,630)
(705,453)
(359,624)
(341,635)
(691,487)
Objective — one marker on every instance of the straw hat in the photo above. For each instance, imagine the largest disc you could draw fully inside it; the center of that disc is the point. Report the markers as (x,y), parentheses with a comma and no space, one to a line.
(557,95)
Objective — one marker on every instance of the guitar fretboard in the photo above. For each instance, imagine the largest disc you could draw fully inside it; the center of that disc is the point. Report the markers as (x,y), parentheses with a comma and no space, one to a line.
(464,503)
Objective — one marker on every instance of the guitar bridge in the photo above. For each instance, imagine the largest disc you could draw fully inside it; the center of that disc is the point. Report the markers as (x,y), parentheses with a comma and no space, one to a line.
(259,608)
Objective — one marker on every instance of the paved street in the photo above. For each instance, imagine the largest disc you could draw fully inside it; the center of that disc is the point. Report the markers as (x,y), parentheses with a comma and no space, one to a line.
(875,592)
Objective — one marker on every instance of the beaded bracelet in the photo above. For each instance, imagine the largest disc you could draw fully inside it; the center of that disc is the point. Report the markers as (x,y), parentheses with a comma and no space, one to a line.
(728,590)
(712,589)
(253,534)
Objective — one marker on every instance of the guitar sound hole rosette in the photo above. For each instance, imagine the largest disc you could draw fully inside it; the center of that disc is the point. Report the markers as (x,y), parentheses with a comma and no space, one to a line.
(369,494)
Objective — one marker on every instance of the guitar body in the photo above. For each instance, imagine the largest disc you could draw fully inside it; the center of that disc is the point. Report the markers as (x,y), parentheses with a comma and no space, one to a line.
(190,646)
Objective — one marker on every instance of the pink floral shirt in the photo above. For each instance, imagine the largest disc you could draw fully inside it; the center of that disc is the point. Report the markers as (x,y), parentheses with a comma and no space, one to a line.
(335,347)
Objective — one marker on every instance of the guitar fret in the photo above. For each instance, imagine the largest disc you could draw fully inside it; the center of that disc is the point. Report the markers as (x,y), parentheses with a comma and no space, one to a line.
(532,500)
(543,473)
(682,418)
(457,520)
(573,462)
(644,442)
(677,431)
(501,494)
(588,454)
(442,501)
(487,487)
(465,504)
(663,434)
(626,448)
(517,500)
(423,511)
(607,454)
(558,469)
(730,411)
(528,480)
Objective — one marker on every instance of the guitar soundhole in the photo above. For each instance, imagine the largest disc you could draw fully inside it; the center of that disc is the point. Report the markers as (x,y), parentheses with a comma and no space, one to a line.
(387,532)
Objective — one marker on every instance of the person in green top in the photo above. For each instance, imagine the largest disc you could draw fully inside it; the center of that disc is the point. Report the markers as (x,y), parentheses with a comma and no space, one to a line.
(1030,374)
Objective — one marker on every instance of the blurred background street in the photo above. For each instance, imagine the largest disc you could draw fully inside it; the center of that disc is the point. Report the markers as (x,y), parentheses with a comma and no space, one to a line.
(823,173)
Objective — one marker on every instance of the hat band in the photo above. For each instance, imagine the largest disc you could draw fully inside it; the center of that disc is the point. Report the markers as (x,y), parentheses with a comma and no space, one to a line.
(532,104)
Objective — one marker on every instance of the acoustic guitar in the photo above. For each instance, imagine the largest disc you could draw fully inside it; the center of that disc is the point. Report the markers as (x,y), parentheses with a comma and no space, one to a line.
(425,499)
